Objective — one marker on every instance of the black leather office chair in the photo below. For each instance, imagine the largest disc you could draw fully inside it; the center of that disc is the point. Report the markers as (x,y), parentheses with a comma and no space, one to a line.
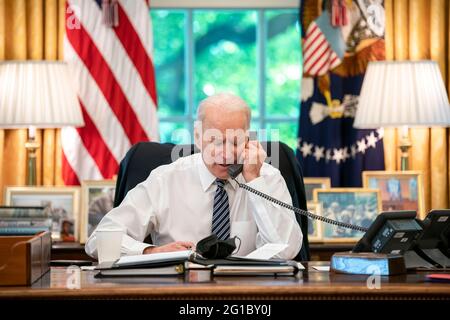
(143,157)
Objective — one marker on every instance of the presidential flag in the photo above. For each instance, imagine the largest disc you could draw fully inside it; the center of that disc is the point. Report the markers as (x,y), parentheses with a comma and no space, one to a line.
(328,145)
(108,46)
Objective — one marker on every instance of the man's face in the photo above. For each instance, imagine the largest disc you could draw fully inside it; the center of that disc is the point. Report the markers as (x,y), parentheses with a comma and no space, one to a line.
(223,137)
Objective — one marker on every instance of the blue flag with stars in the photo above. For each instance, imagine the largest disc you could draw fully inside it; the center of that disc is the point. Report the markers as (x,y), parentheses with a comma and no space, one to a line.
(328,145)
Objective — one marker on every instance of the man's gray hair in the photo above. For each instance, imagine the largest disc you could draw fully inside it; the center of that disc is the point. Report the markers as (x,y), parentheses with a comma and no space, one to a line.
(226,100)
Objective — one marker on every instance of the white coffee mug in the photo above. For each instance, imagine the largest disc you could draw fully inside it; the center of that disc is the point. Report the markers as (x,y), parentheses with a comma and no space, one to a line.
(109,242)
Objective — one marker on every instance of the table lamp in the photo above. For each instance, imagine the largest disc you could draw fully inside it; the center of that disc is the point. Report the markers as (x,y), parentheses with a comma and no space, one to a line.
(37,94)
(403,94)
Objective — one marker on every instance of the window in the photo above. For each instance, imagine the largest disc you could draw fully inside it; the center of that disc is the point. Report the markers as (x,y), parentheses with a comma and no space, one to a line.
(254,53)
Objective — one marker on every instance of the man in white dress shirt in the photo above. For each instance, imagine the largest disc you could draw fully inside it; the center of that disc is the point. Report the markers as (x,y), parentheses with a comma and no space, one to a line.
(193,197)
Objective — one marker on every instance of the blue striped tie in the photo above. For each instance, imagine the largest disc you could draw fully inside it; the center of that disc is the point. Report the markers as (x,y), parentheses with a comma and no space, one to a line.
(221,212)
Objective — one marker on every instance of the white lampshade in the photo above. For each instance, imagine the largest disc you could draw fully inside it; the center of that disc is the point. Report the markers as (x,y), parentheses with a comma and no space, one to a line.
(37,93)
(402,93)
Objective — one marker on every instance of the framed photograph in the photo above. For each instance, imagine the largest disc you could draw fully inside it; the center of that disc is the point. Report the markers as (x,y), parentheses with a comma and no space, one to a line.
(400,190)
(97,199)
(315,183)
(357,206)
(62,202)
(314,226)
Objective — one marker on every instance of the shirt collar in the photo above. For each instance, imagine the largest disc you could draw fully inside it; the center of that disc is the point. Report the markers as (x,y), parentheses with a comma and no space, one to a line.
(207,178)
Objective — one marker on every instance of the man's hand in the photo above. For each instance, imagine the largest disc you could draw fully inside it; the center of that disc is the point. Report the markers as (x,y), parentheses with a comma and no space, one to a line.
(254,156)
(174,246)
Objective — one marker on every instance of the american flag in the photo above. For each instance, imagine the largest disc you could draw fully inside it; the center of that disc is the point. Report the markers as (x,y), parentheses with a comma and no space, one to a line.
(323,47)
(111,63)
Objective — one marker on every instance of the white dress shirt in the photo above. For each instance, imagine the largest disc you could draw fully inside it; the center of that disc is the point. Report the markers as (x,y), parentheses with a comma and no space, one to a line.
(175,203)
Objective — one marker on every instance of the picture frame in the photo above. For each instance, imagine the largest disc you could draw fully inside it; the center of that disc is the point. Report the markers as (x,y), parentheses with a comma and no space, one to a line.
(314,225)
(64,205)
(400,190)
(312,183)
(97,199)
(358,206)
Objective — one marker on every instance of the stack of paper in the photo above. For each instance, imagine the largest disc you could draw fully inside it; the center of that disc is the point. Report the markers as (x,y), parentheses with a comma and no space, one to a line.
(156,264)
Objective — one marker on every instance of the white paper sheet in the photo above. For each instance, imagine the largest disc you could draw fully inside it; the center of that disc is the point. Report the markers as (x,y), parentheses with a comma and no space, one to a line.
(88,268)
(322,268)
(153,257)
(267,251)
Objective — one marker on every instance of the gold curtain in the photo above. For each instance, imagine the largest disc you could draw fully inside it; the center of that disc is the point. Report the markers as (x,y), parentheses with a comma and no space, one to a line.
(416,30)
(33,30)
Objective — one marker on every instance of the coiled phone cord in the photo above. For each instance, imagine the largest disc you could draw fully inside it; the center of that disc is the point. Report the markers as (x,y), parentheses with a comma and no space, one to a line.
(300,211)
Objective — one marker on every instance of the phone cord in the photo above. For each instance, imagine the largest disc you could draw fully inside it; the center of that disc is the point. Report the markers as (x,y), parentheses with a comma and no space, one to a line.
(300,211)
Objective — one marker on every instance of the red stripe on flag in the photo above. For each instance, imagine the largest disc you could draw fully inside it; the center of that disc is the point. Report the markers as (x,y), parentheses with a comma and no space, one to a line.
(103,76)
(96,146)
(326,63)
(312,41)
(136,50)
(322,43)
(333,61)
(324,67)
(69,176)
(318,60)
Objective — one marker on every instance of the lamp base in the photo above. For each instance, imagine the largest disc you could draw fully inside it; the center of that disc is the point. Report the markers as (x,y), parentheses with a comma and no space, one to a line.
(31,145)
(404,146)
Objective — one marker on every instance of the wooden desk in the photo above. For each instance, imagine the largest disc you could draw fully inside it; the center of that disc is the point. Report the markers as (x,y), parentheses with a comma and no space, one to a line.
(324,251)
(309,284)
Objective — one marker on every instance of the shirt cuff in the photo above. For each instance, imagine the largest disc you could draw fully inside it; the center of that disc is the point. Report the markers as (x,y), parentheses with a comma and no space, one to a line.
(133,247)
(258,184)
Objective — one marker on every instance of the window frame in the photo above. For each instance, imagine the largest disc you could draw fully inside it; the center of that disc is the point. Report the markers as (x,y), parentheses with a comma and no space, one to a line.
(260,6)
(220,4)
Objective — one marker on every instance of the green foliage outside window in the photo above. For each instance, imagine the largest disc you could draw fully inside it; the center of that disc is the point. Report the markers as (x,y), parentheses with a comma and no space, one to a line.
(223,51)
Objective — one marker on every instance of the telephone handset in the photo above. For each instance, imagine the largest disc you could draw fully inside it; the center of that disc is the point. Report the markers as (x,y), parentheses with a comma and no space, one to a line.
(235,169)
